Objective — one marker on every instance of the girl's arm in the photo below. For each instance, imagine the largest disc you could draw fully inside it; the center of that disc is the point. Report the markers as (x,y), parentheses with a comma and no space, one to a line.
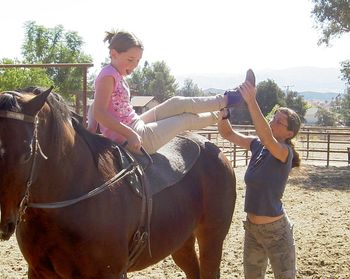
(103,94)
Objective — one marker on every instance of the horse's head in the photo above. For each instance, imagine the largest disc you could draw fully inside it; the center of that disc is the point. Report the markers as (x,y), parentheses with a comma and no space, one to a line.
(18,118)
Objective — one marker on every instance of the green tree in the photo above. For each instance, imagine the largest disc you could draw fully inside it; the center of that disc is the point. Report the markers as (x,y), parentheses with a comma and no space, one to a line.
(137,80)
(325,117)
(240,115)
(153,80)
(55,45)
(333,18)
(190,89)
(345,108)
(268,94)
(15,78)
(297,103)
(345,71)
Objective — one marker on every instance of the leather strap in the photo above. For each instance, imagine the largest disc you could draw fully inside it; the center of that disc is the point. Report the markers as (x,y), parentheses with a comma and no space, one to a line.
(17,116)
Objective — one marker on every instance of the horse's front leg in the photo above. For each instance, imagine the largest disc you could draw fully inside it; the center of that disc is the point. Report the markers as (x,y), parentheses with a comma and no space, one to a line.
(111,276)
(32,274)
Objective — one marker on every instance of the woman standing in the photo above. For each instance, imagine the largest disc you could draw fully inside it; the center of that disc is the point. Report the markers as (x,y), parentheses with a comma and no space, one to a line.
(268,231)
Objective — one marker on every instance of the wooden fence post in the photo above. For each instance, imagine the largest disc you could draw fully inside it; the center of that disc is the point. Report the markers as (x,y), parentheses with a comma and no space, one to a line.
(234,155)
(307,143)
(328,147)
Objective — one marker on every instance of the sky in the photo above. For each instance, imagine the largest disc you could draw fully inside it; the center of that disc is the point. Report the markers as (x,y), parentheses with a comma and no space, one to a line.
(191,36)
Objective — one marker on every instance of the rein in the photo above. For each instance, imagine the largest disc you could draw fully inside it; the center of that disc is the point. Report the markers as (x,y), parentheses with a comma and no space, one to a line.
(123,173)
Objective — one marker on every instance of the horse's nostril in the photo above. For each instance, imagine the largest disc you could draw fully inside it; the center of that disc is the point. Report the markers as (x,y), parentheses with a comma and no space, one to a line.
(11,227)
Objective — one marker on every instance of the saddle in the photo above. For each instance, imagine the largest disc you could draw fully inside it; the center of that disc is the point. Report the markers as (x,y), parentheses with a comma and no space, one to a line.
(169,165)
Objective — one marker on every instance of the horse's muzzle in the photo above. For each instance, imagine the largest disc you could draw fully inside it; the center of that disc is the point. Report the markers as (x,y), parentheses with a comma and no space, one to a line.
(6,230)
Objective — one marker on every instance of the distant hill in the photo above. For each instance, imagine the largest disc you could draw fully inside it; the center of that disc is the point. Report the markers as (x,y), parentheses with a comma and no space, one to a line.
(300,79)
(214,91)
(317,96)
(308,95)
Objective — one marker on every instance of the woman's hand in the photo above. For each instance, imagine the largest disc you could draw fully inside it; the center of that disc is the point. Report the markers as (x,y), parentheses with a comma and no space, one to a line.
(248,92)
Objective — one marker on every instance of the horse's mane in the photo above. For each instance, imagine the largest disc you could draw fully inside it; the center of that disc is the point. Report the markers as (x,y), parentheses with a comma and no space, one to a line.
(60,113)
(63,116)
(101,147)
(9,102)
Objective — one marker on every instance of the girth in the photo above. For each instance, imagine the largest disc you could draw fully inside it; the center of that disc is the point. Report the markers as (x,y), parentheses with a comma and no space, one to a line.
(169,165)
(139,184)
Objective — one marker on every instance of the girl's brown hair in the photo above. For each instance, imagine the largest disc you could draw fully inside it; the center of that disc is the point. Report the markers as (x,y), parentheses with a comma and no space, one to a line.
(294,124)
(121,41)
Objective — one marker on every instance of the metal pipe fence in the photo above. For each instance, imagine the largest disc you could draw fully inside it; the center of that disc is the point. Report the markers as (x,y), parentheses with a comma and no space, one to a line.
(83,66)
(321,145)
(316,145)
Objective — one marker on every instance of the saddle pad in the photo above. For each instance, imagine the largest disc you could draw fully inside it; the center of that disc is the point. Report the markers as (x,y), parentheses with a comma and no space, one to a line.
(170,164)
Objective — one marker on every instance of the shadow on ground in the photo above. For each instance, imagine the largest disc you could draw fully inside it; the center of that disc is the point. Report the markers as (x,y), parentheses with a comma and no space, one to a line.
(321,178)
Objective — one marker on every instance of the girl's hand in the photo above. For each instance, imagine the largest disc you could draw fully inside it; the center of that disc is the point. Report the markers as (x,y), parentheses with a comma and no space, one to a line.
(134,143)
(224,114)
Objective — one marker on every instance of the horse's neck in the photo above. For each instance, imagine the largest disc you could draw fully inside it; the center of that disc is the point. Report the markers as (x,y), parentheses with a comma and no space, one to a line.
(68,174)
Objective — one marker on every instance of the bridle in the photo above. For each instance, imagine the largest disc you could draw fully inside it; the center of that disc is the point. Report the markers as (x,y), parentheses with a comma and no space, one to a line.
(17,116)
(36,151)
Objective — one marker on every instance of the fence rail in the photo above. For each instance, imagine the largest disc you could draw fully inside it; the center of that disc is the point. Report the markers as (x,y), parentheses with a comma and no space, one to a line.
(327,145)
(316,145)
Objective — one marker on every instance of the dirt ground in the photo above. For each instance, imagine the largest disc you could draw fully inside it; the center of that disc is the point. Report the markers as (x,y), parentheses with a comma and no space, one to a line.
(317,200)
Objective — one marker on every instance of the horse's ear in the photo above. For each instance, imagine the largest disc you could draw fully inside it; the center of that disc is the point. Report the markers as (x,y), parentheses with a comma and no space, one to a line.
(34,105)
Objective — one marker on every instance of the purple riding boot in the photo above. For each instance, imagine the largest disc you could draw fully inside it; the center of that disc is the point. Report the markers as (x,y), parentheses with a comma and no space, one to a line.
(234,97)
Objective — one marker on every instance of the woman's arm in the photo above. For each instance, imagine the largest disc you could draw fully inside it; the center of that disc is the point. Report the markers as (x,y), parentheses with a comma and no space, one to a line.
(262,127)
(226,131)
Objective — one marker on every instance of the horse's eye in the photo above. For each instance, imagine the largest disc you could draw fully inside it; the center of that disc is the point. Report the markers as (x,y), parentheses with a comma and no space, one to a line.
(25,157)
(2,153)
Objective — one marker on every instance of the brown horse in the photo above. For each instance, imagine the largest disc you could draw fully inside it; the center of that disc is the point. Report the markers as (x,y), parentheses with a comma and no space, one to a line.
(83,231)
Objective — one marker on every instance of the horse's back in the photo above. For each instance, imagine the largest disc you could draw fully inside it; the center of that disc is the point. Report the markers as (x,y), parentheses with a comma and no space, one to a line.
(218,182)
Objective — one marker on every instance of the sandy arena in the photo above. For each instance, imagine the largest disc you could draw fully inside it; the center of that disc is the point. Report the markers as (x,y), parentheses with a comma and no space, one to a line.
(317,200)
